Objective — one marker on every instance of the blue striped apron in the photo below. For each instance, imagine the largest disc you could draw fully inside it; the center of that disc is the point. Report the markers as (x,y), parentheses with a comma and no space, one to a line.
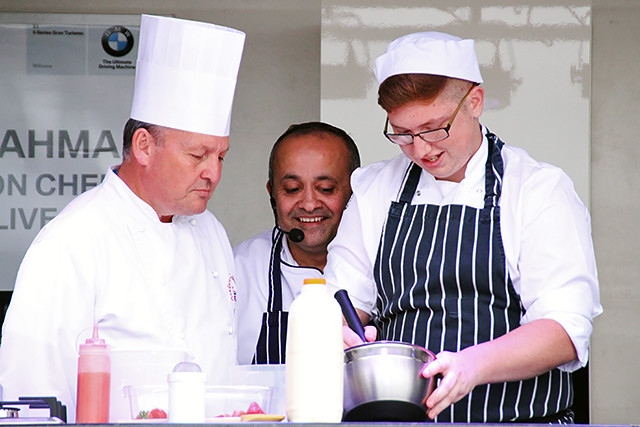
(273,331)
(443,284)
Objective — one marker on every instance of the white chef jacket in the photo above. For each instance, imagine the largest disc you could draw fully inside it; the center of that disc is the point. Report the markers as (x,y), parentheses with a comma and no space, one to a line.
(252,276)
(149,285)
(546,232)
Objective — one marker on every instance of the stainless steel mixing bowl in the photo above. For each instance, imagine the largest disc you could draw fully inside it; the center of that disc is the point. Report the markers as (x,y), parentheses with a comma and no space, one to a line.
(382,382)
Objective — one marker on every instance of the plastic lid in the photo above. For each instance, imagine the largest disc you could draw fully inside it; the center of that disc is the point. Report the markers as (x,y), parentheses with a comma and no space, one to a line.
(95,340)
(186,371)
(315,281)
(187,367)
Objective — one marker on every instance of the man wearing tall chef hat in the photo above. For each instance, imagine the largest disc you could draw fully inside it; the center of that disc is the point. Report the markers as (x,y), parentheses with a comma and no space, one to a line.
(139,255)
(467,246)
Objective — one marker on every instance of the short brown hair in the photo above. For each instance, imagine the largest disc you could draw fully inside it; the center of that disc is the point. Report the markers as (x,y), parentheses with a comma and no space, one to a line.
(402,89)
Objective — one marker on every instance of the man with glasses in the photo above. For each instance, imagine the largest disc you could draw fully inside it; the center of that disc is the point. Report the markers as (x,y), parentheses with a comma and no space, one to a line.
(467,246)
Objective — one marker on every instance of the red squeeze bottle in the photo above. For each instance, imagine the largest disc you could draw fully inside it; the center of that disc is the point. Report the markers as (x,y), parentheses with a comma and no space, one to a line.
(94,381)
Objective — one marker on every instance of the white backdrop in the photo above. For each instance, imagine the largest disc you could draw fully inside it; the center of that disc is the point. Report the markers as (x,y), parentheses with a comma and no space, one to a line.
(65,100)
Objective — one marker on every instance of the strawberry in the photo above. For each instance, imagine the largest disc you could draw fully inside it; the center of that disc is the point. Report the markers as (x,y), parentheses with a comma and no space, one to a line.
(157,413)
(254,408)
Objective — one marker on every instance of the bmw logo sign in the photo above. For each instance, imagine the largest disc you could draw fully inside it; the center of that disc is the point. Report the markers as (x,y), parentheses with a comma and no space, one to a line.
(117,41)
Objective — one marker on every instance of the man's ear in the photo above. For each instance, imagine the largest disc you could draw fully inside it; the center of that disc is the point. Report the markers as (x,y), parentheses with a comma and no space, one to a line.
(477,101)
(271,199)
(141,144)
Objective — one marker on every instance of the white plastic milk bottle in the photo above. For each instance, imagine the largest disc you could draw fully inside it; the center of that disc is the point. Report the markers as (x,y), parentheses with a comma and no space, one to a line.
(314,356)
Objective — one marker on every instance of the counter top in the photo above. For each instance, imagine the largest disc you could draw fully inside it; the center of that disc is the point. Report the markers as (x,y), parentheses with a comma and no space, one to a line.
(350,424)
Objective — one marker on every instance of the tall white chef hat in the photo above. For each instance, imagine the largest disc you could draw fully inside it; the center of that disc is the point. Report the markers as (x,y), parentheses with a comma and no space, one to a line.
(429,53)
(186,74)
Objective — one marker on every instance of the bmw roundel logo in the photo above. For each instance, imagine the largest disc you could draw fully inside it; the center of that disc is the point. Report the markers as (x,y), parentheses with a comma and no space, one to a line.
(117,41)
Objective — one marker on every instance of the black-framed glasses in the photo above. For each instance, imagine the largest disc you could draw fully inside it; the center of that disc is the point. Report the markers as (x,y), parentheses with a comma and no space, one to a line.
(433,135)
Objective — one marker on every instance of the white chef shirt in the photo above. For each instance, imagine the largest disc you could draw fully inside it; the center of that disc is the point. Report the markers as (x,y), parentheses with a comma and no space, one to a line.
(149,285)
(546,232)
(252,276)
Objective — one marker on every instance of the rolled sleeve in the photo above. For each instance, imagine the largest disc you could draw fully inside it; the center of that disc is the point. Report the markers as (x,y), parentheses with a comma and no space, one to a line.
(552,262)
(348,265)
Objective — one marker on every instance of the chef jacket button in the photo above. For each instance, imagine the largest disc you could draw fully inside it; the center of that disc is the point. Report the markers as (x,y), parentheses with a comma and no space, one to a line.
(418,193)
(230,330)
(192,221)
(479,190)
(215,274)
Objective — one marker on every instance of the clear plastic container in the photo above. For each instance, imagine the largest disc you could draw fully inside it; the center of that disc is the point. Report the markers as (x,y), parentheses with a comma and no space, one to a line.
(220,401)
(136,367)
(272,376)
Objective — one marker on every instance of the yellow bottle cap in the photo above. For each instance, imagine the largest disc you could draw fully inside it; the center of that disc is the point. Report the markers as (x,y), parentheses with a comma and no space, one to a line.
(315,281)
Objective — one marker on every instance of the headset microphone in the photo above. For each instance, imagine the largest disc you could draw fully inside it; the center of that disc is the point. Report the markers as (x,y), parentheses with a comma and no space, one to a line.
(295,234)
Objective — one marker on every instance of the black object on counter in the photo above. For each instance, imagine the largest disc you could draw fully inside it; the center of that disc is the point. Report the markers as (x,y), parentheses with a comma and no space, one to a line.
(387,410)
(56,408)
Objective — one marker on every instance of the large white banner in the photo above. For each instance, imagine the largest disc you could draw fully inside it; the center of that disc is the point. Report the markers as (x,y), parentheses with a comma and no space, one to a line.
(66,84)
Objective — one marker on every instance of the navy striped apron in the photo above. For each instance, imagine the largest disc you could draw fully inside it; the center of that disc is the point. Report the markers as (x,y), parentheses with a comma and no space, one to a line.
(273,332)
(443,284)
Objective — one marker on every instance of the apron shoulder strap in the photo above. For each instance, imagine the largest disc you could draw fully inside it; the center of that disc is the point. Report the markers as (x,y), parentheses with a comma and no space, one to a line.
(410,182)
(275,273)
(494,170)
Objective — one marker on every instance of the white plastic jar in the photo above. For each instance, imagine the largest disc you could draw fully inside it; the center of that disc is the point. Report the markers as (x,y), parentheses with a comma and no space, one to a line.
(187,393)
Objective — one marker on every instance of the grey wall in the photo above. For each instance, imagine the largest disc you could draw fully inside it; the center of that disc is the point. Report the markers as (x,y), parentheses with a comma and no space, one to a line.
(615,202)
(533,56)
